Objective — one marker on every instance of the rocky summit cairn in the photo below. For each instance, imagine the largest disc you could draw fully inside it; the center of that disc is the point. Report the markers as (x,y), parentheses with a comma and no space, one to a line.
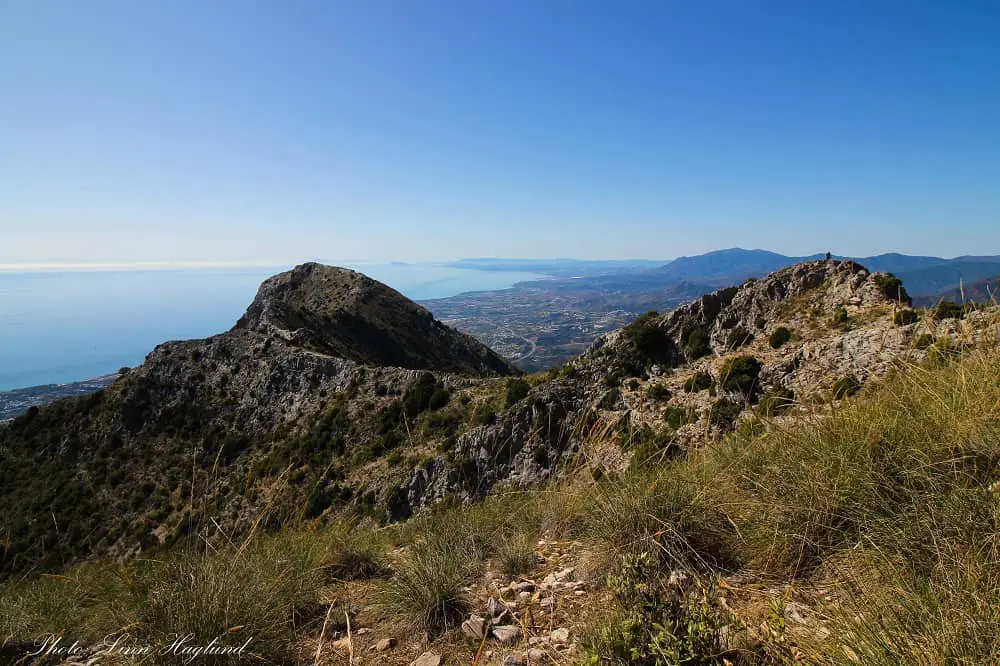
(342,313)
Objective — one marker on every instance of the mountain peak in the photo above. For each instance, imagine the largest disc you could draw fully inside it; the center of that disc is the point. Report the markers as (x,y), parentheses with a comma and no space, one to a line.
(340,312)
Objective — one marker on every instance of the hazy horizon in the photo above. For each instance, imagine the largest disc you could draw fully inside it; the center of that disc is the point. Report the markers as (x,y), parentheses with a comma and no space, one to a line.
(126,266)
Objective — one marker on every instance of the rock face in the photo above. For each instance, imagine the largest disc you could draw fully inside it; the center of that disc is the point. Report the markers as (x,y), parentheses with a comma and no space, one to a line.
(342,313)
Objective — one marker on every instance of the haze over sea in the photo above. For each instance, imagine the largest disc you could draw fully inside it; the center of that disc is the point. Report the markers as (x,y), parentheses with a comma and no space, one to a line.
(60,326)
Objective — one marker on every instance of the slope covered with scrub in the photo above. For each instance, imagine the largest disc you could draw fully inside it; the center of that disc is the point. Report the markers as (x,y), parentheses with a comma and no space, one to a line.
(868,535)
(798,469)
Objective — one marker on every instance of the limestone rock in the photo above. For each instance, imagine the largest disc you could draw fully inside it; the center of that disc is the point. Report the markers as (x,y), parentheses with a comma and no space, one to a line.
(474,627)
(428,658)
(536,656)
(507,633)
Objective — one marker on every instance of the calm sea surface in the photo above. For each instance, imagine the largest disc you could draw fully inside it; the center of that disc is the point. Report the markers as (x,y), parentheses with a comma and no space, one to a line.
(60,327)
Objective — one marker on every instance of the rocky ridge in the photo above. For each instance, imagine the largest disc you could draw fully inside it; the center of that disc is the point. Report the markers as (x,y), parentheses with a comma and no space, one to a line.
(345,314)
(298,413)
(635,386)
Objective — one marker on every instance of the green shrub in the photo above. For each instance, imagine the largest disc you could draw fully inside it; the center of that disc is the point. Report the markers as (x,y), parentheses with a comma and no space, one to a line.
(905,317)
(517,390)
(678,416)
(417,397)
(740,374)
(779,337)
(948,310)
(445,422)
(699,381)
(658,392)
(776,401)
(891,287)
(738,337)
(846,387)
(696,343)
(438,399)
(484,414)
(516,554)
(425,592)
(724,413)
(659,622)
(612,399)
(840,316)
(923,341)
(648,445)
(649,339)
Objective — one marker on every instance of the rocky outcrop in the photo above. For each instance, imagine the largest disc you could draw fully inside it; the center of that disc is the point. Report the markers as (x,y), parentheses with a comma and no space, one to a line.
(344,314)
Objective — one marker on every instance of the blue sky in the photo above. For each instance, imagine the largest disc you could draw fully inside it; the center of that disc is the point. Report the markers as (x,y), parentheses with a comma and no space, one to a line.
(253,131)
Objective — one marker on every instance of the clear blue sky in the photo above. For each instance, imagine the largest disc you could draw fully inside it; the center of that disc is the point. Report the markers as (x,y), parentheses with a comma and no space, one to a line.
(251,130)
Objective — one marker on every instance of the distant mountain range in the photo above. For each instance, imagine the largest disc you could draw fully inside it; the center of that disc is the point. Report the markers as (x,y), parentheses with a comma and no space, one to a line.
(980,291)
(923,276)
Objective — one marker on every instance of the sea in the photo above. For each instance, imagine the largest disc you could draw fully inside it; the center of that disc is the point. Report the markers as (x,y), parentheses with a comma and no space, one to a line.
(59,326)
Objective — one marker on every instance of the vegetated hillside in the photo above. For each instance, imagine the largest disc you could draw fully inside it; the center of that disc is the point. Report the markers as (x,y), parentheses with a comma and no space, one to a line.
(726,266)
(260,426)
(859,526)
(264,422)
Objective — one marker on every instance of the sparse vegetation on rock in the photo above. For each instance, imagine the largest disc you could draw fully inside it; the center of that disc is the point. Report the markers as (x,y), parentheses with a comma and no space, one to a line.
(740,374)
(948,310)
(696,343)
(699,381)
(776,401)
(737,338)
(658,392)
(840,316)
(845,387)
(779,337)
(905,317)
(470,496)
